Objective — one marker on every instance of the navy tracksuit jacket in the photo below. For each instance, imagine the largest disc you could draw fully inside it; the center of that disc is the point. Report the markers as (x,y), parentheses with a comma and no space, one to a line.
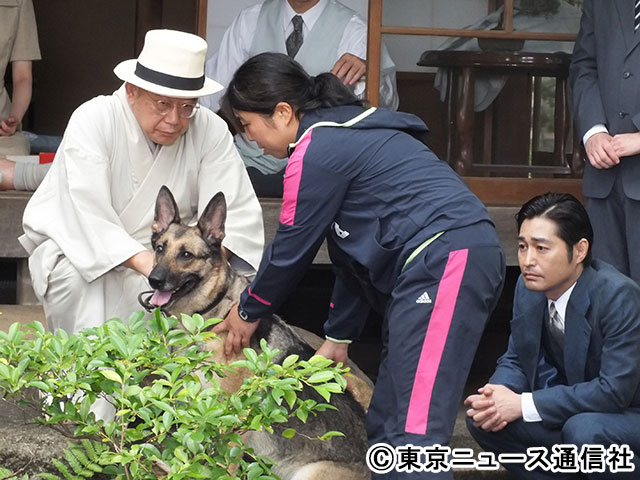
(376,193)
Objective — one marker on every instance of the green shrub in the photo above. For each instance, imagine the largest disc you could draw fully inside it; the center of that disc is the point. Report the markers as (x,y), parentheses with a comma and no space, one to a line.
(173,420)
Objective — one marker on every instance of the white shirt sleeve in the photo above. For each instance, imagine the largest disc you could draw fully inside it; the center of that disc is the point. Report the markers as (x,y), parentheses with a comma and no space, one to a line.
(599,128)
(354,41)
(529,410)
(233,52)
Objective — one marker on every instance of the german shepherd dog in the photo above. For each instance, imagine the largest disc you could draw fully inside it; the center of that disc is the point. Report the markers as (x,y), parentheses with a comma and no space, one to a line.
(191,275)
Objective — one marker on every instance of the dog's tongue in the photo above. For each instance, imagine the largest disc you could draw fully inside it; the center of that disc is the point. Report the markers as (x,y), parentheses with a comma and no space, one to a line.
(160,298)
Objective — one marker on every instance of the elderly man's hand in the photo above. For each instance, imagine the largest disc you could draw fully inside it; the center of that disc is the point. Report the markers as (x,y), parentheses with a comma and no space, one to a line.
(239,332)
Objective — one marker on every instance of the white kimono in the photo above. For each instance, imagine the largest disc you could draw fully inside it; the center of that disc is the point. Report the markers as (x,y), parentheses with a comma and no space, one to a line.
(95,208)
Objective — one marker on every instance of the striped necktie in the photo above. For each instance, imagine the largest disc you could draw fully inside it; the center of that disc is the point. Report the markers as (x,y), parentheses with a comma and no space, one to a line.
(636,13)
(555,325)
(294,40)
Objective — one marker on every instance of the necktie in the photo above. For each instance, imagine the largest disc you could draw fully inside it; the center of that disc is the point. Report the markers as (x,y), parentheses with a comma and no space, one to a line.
(294,41)
(556,332)
(636,13)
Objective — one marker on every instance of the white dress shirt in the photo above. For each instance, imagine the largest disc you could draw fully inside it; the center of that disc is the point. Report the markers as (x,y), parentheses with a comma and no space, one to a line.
(237,40)
(529,410)
(598,128)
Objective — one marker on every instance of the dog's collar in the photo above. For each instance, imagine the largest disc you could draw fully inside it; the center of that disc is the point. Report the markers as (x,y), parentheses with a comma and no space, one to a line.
(215,302)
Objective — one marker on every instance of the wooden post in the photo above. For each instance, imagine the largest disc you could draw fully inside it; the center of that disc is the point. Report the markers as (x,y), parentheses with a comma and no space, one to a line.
(201,18)
(374,47)
(508,15)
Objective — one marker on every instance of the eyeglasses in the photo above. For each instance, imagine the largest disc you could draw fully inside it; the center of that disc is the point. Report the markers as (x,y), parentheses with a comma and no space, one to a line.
(185,110)
(163,107)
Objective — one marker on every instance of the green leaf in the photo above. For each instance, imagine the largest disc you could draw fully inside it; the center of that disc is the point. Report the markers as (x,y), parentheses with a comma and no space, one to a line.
(320,377)
(290,360)
(167,420)
(289,433)
(277,395)
(320,361)
(256,422)
(302,414)
(39,385)
(163,406)
(13,331)
(251,354)
(333,387)
(37,327)
(254,471)
(290,396)
(109,428)
(120,344)
(111,375)
(181,455)
(189,323)
(132,391)
(323,392)
(85,407)
(331,434)
(4,371)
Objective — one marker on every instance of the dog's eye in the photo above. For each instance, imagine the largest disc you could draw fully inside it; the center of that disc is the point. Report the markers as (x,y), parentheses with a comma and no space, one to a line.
(187,255)
(159,249)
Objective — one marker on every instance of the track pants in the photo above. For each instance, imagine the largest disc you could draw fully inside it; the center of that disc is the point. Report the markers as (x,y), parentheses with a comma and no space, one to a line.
(433,323)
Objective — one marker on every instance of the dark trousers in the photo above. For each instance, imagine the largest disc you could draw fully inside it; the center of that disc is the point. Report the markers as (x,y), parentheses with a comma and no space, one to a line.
(616,230)
(583,429)
(433,323)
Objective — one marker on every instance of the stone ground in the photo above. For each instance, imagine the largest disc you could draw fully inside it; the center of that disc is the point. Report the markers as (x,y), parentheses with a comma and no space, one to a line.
(27,447)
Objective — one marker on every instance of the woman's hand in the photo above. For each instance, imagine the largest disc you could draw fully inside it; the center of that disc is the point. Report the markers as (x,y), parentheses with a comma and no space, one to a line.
(239,332)
(338,352)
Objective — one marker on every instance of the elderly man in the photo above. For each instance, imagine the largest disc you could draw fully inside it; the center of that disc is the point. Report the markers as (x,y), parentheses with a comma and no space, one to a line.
(321,35)
(570,375)
(88,226)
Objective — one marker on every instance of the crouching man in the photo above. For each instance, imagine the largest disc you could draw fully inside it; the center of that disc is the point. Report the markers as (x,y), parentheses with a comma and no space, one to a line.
(571,374)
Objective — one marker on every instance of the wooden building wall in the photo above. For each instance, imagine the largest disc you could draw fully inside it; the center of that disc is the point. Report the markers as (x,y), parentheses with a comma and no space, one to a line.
(81,41)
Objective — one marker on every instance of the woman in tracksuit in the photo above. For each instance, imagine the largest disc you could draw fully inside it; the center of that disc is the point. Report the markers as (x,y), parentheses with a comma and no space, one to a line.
(407,236)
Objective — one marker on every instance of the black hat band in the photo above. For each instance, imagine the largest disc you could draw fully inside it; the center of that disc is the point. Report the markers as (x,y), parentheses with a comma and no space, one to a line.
(166,80)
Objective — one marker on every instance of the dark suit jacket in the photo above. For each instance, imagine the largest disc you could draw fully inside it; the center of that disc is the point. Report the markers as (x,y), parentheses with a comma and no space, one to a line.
(605,80)
(601,348)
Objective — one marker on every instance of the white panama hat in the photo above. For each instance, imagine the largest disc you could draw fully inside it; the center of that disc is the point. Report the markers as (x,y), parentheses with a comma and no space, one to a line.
(171,63)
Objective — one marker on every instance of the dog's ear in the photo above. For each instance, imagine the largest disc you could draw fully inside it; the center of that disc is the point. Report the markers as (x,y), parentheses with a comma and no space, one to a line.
(166,211)
(211,222)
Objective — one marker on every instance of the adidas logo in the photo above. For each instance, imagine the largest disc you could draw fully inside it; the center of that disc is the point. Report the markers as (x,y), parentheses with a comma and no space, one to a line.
(424,298)
(339,232)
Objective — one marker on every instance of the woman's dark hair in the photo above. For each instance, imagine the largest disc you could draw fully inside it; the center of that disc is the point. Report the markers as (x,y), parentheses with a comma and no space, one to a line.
(570,217)
(269,78)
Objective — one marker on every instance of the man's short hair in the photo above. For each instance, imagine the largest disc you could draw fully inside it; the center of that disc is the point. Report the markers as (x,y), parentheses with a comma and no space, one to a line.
(566,211)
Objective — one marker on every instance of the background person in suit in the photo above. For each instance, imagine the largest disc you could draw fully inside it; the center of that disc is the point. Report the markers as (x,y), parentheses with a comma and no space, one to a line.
(605,78)
(571,374)
(329,38)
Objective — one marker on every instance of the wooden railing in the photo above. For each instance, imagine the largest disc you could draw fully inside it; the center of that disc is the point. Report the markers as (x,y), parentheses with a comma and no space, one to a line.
(376,30)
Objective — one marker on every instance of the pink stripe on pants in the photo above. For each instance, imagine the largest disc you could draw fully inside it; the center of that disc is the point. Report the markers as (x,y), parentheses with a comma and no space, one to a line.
(434,342)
